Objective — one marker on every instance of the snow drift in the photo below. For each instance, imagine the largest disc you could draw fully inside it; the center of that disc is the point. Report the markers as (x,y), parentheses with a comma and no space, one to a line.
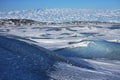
(20,60)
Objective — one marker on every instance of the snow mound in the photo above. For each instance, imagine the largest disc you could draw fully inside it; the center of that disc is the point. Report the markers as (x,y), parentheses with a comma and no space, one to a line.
(20,60)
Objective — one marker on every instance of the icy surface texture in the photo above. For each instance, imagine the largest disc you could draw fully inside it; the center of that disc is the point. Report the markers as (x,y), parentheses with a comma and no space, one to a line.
(63,15)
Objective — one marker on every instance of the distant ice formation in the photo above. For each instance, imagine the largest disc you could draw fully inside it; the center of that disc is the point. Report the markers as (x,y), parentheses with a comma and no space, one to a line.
(63,15)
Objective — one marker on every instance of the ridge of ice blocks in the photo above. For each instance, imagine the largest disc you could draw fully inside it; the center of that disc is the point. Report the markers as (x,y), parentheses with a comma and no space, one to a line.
(63,15)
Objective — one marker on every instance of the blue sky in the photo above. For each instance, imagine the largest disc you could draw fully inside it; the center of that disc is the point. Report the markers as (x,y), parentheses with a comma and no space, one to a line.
(36,4)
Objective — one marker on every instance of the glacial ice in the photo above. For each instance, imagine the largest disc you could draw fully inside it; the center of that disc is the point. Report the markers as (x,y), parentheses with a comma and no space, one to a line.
(64,15)
(95,49)
(60,44)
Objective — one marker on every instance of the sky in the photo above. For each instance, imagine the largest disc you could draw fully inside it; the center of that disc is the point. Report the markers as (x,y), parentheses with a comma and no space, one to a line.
(6,5)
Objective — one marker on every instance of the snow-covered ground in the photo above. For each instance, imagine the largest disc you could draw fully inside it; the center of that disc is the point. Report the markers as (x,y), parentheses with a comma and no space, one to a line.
(61,51)
(55,37)
(20,60)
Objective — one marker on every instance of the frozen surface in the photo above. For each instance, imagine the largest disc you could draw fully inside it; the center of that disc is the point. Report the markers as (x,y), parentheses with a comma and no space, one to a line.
(56,37)
(20,60)
(58,47)
(63,15)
